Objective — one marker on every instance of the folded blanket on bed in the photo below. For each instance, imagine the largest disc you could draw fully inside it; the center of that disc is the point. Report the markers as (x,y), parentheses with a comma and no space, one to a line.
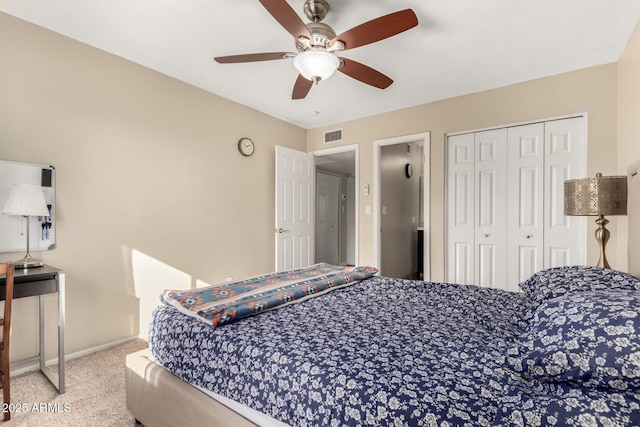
(226,302)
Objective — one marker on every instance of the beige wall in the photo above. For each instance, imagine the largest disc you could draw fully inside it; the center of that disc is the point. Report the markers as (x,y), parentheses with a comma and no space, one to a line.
(628,121)
(591,90)
(151,190)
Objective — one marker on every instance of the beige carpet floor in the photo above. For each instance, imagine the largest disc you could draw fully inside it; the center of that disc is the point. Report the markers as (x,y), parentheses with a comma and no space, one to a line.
(95,393)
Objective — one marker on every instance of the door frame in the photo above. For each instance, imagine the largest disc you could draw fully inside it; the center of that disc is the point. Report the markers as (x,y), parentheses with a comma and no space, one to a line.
(344,149)
(425,138)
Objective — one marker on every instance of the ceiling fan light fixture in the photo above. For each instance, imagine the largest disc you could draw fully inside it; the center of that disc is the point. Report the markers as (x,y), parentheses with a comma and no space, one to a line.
(316,65)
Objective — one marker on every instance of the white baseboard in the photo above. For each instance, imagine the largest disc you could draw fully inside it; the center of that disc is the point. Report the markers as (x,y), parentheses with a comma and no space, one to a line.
(31,365)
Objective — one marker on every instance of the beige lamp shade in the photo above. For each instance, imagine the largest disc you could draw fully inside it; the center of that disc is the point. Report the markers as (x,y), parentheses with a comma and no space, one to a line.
(602,195)
(26,200)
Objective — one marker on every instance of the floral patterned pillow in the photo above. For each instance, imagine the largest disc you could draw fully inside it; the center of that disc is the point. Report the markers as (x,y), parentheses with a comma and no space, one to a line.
(590,338)
(553,282)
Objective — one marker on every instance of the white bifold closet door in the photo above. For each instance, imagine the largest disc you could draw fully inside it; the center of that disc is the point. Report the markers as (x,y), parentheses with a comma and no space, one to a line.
(525,193)
(491,207)
(460,209)
(505,218)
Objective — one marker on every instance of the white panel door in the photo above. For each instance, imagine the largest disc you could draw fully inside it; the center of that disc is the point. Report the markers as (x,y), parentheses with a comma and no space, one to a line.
(565,154)
(295,201)
(460,209)
(491,208)
(525,185)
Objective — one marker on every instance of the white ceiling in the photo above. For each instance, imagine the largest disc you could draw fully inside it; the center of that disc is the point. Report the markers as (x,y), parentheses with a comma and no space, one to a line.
(459,46)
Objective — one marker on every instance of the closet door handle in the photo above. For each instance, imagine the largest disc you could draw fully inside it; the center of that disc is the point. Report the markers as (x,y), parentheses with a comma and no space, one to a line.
(487,235)
(528,236)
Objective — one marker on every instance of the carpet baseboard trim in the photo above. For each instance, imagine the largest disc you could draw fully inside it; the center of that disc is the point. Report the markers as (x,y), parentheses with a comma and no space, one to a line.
(33,364)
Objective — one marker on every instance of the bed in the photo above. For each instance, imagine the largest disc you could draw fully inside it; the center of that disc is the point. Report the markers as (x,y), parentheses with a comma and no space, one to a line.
(371,350)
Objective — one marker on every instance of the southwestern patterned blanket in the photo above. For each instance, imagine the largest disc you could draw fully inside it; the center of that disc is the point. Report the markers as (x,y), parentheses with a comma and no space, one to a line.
(223,303)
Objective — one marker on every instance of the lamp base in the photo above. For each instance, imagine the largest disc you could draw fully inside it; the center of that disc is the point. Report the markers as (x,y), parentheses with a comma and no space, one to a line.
(602,236)
(28,262)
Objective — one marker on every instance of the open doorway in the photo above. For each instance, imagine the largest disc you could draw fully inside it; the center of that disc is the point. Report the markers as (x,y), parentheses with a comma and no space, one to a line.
(336,205)
(401,205)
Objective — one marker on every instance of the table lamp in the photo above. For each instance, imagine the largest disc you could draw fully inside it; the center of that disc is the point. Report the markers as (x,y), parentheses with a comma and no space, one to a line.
(599,196)
(26,200)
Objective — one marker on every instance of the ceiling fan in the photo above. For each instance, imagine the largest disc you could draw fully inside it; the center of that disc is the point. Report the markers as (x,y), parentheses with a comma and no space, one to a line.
(317,44)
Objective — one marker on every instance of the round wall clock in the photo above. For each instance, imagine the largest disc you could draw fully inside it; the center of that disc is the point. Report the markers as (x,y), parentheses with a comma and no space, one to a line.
(246,147)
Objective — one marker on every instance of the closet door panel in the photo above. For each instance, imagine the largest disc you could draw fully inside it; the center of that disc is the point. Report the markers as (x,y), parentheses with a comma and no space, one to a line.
(525,226)
(487,199)
(462,264)
(487,269)
(565,153)
(558,256)
(460,209)
(491,208)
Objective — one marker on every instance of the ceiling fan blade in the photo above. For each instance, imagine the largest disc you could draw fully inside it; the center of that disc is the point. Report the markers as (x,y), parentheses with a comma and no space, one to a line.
(377,29)
(287,17)
(301,88)
(364,74)
(250,57)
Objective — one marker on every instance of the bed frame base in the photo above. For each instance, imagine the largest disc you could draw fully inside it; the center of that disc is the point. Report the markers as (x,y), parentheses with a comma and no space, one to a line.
(157,398)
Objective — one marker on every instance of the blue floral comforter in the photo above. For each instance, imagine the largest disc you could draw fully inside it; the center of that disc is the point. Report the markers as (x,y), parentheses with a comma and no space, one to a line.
(383,352)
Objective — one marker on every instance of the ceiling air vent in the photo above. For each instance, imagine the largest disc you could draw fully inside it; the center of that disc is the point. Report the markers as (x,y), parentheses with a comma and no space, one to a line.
(333,136)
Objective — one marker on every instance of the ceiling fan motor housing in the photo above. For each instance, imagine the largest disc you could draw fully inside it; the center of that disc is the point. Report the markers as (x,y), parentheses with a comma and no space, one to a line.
(322,35)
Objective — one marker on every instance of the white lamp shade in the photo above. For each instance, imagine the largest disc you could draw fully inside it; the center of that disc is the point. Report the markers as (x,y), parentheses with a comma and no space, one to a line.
(316,64)
(26,200)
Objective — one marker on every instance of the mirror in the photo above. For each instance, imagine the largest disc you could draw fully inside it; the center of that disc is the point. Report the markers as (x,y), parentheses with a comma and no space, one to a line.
(13,228)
